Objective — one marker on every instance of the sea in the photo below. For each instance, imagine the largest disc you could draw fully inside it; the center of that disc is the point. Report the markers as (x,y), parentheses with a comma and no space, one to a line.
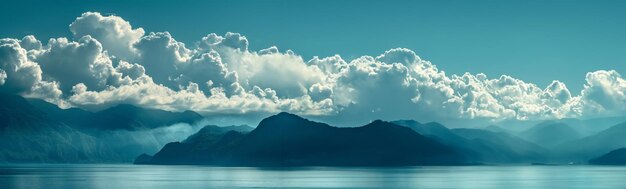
(117,176)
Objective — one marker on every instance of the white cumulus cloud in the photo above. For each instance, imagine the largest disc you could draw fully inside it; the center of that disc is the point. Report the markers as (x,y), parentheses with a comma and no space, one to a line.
(108,62)
(115,33)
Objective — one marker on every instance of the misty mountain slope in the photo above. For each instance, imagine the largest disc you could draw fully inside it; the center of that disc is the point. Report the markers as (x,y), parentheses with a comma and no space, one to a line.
(593,126)
(28,134)
(289,140)
(615,157)
(477,144)
(444,135)
(120,117)
(129,117)
(34,131)
(200,148)
(504,146)
(549,134)
(595,145)
(497,129)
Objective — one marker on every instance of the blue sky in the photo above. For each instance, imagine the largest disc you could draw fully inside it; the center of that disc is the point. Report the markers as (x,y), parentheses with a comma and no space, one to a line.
(193,62)
(537,41)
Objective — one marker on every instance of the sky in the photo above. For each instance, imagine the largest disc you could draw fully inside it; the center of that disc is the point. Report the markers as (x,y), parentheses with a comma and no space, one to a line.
(525,44)
(531,40)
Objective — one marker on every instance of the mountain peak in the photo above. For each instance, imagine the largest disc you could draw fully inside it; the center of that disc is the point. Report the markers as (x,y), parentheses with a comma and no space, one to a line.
(284,116)
(284,121)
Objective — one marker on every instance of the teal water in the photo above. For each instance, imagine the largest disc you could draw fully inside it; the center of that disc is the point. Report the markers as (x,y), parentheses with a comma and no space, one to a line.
(152,176)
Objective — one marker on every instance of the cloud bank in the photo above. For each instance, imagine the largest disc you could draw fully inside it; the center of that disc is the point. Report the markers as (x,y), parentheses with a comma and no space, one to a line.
(108,62)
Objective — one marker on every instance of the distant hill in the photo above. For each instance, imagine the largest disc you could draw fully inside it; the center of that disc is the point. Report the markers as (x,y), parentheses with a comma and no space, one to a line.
(594,145)
(289,140)
(502,146)
(444,135)
(431,129)
(480,145)
(550,134)
(593,126)
(615,157)
(497,129)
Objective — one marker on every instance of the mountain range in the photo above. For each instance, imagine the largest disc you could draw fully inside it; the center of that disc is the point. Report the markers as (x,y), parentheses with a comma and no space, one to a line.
(35,131)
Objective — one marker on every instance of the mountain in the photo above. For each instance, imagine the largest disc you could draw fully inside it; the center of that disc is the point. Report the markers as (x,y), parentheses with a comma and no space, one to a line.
(444,135)
(29,134)
(550,134)
(289,140)
(593,126)
(615,157)
(119,117)
(70,116)
(197,148)
(129,117)
(36,131)
(479,145)
(211,133)
(496,129)
(432,129)
(594,145)
(502,146)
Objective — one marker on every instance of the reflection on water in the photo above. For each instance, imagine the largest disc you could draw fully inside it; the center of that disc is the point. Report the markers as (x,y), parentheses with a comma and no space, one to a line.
(151,176)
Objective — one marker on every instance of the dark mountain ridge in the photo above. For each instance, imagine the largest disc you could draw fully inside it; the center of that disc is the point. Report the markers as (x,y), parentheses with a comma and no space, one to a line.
(615,157)
(289,140)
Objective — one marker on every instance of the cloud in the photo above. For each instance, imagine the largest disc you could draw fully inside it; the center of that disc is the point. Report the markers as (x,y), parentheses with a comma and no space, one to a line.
(398,84)
(286,73)
(109,62)
(230,40)
(161,54)
(29,42)
(20,75)
(115,33)
(604,93)
(399,55)
(82,61)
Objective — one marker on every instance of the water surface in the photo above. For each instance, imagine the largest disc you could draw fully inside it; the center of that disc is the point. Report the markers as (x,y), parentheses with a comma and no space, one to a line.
(153,176)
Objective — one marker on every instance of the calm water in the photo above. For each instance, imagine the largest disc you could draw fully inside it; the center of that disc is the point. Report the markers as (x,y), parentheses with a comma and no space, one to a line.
(148,176)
